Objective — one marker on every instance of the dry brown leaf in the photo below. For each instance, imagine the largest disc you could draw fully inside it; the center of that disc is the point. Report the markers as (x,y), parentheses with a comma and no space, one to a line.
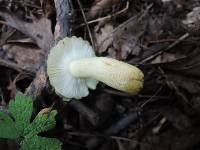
(127,43)
(99,6)
(24,56)
(127,37)
(39,30)
(155,26)
(123,38)
(102,40)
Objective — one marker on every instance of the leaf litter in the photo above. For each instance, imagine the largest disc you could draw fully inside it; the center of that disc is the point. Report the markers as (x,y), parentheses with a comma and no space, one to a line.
(146,34)
(39,29)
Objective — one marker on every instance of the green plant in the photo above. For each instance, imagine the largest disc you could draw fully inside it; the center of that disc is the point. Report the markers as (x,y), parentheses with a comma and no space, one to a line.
(17,125)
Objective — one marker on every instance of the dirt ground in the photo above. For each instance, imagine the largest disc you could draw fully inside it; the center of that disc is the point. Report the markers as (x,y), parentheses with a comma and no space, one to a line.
(161,37)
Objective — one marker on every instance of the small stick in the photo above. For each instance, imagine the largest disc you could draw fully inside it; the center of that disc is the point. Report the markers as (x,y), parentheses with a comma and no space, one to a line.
(152,97)
(63,12)
(161,41)
(186,106)
(108,16)
(86,23)
(120,145)
(16,67)
(7,37)
(121,26)
(122,94)
(90,115)
(114,129)
(156,129)
(171,85)
(183,37)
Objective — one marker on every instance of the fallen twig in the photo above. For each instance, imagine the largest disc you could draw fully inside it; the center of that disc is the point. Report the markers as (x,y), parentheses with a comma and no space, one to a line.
(86,23)
(16,67)
(90,115)
(114,129)
(63,11)
(108,16)
(183,37)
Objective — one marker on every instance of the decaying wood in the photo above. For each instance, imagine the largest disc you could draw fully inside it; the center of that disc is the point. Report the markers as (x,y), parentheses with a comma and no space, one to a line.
(64,12)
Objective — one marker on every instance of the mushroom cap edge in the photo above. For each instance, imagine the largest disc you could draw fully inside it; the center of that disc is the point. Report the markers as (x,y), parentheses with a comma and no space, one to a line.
(59,59)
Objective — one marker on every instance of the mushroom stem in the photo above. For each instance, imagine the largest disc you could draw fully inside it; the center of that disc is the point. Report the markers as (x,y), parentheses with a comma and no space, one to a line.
(114,73)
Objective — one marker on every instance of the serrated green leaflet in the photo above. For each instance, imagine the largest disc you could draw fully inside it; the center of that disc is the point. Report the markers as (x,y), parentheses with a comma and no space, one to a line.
(42,122)
(40,143)
(7,127)
(17,125)
(21,109)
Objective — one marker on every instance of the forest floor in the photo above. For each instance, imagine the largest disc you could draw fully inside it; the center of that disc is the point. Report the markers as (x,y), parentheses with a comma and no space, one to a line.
(161,37)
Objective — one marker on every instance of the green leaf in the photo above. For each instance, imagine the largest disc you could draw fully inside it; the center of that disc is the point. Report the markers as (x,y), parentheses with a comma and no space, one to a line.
(18,126)
(21,109)
(40,143)
(7,127)
(42,122)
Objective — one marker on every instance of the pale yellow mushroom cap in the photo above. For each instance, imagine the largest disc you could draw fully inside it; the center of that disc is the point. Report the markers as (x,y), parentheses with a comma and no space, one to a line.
(58,63)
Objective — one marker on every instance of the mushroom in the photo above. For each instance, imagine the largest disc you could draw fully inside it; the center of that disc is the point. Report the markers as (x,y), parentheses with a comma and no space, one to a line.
(72,68)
